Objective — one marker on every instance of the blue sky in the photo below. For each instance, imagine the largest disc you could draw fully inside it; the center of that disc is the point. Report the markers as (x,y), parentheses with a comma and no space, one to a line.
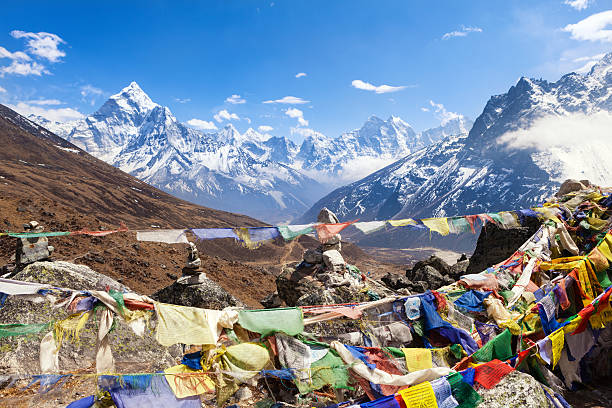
(430,59)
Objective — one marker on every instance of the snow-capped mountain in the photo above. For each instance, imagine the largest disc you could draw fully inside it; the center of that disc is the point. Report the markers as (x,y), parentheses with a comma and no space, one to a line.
(143,138)
(265,176)
(522,146)
(376,144)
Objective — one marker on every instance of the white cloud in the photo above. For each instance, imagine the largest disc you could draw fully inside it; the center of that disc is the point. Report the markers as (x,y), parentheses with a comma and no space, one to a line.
(366,86)
(577,4)
(43,45)
(182,100)
(225,115)
(300,74)
(289,100)
(587,63)
(235,99)
(43,102)
(554,139)
(592,28)
(23,68)
(202,124)
(2,90)
(87,90)
(442,114)
(17,55)
(463,32)
(265,128)
(306,132)
(54,115)
(425,109)
(297,114)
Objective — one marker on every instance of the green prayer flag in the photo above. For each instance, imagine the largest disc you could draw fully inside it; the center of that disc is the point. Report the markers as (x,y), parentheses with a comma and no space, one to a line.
(500,347)
(36,234)
(330,370)
(8,330)
(463,392)
(289,320)
(291,232)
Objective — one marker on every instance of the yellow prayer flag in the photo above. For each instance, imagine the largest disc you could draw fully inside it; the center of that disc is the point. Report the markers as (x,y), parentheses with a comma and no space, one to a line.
(186,382)
(182,324)
(419,396)
(558,340)
(402,223)
(439,225)
(604,248)
(417,358)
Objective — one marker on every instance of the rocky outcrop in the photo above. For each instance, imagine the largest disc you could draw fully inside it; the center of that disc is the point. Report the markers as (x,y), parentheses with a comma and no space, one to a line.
(21,354)
(515,390)
(204,293)
(496,244)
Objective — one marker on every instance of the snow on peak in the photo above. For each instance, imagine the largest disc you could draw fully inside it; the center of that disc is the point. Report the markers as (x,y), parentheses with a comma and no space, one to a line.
(132,97)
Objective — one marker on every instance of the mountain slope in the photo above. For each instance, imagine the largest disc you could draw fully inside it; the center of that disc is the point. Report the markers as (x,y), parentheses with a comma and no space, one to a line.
(522,146)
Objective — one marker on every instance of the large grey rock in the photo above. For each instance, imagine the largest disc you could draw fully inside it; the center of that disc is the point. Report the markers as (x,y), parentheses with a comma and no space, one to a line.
(435,262)
(21,354)
(515,390)
(32,250)
(313,256)
(326,216)
(334,260)
(207,295)
(430,276)
(395,281)
(272,301)
(571,185)
(459,269)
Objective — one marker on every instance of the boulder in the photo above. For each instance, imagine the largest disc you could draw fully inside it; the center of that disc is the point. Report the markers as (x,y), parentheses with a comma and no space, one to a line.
(21,354)
(272,301)
(326,216)
(515,390)
(205,294)
(430,276)
(435,262)
(459,269)
(395,281)
(333,260)
(571,185)
(313,256)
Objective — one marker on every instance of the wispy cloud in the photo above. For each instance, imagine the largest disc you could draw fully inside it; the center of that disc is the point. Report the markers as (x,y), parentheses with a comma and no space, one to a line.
(182,100)
(305,132)
(23,69)
(288,100)
(300,74)
(578,4)
(235,100)
(2,90)
(201,124)
(54,114)
(43,102)
(265,128)
(297,114)
(442,114)
(380,89)
(225,115)
(425,109)
(592,28)
(44,45)
(463,32)
(17,55)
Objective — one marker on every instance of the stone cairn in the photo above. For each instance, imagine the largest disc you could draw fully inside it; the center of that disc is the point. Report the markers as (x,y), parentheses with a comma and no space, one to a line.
(30,250)
(193,273)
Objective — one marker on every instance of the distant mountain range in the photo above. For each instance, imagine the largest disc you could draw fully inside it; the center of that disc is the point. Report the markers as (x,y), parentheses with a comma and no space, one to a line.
(523,145)
(270,178)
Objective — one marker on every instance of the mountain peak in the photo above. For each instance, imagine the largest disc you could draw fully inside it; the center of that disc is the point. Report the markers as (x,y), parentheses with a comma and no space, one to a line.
(603,65)
(132,96)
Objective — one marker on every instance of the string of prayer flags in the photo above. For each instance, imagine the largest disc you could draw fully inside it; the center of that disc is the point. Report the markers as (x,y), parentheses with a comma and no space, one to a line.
(167,236)
(253,238)
(439,225)
(290,232)
(288,320)
(326,231)
(214,233)
(368,227)
(402,223)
